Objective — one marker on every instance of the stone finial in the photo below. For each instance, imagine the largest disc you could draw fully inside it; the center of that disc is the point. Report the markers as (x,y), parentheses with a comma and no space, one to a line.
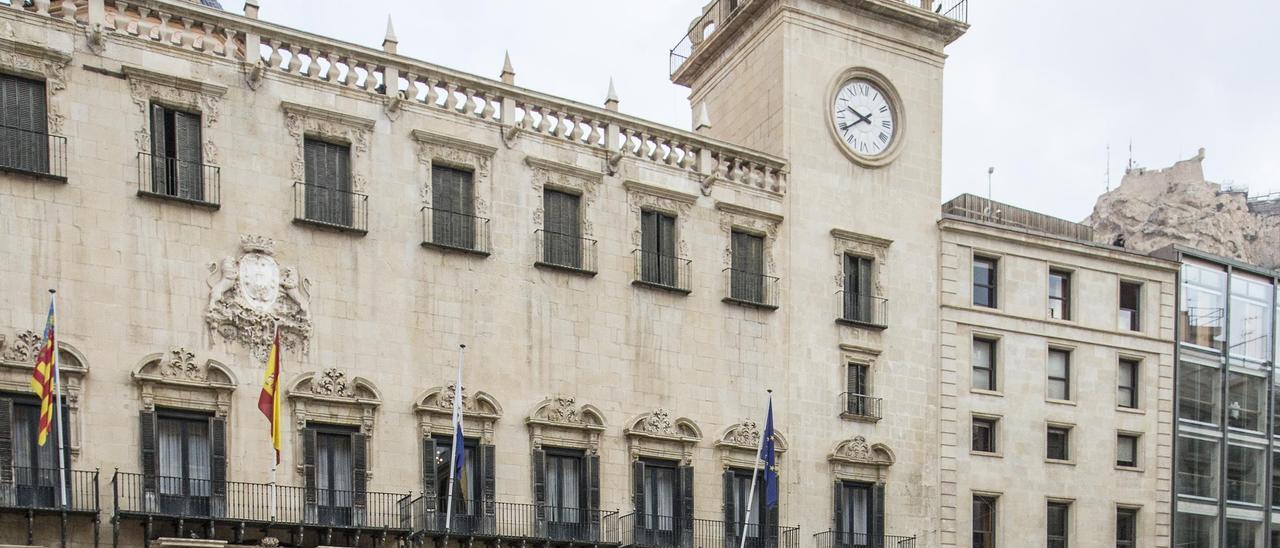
(611,100)
(251,9)
(389,41)
(508,73)
(701,120)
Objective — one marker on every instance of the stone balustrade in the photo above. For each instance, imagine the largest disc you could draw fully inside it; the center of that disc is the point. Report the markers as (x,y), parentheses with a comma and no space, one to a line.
(266,48)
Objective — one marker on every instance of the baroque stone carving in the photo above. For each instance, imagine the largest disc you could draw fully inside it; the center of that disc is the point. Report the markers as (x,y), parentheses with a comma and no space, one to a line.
(333,382)
(446,400)
(746,434)
(658,422)
(639,201)
(453,152)
(252,294)
(564,410)
(21,57)
(565,177)
(877,249)
(23,349)
(738,218)
(856,449)
(181,363)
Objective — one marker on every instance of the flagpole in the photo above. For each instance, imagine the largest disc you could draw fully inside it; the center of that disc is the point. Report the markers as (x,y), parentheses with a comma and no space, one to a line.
(57,409)
(275,453)
(751,494)
(453,450)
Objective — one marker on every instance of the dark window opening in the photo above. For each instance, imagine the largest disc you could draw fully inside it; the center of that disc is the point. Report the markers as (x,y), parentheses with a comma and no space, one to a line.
(1058,443)
(984,522)
(984,282)
(1060,294)
(562,229)
(1058,524)
(658,256)
(1127,389)
(329,197)
(176,154)
(453,220)
(1131,306)
(984,364)
(984,435)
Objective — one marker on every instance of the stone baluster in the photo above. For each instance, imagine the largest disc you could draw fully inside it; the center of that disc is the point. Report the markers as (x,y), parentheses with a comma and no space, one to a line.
(597,132)
(433,96)
(15,5)
(205,39)
(67,10)
(142,28)
(181,37)
(370,77)
(229,45)
(450,95)
(658,148)
(323,74)
(42,6)
(295,59)
(471,102)
(628,142)
(275,59)
(576,133)
(313,63)
(488,111)
(673,152)
(123,23)
(411,92)
(162,32)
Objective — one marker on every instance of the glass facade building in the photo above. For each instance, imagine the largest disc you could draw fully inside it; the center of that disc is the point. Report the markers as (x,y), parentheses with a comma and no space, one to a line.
(1226,453)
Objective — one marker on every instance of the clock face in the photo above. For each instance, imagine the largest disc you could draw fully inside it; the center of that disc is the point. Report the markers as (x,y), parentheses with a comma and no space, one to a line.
(864,117)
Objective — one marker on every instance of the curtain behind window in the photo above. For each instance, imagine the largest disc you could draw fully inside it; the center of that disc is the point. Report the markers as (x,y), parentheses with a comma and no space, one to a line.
(169,462)
(198,457)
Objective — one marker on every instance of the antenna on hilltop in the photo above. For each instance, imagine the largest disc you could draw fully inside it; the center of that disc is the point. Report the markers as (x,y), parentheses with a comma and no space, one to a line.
(1130,167)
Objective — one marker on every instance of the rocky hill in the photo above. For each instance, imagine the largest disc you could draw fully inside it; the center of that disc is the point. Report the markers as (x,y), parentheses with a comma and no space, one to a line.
(1176,205)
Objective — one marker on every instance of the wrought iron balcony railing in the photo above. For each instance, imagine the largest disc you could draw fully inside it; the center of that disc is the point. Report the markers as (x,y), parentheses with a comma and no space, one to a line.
(513,521)
(567,251)
(137,495)
(330,207)
(175,179)
(835,539)
(860,406)
(446,229)
(32,152)
(33,489)
(751,288)
(654,531)
(867,310)
(664,271)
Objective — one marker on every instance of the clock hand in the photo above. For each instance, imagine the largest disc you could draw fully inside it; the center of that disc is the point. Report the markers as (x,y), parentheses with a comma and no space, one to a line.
(861,118)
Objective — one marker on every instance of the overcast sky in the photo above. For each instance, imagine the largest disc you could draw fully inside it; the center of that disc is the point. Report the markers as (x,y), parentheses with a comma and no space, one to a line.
(1036,89)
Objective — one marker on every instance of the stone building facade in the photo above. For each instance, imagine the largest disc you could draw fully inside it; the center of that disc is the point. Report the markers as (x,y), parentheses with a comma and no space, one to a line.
(1057,383)
(191,179)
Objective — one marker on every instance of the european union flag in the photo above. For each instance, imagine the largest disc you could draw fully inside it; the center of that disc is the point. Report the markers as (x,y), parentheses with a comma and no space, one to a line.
(767,455)
(459,449)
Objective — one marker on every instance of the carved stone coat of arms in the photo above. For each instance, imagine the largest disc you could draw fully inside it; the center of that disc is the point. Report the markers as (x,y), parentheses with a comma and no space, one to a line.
(252,293)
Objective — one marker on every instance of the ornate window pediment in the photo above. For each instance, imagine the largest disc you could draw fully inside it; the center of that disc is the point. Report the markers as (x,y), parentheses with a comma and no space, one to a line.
(857,459)
(253,293)
(754,221)
(331,397)
(304,121)
(34,61)
(177,379)
(658,435)
(203,97)
(740,443)
(434,148)
(559,421)
(847,242)
(18,358)
(568,178)
(480,413)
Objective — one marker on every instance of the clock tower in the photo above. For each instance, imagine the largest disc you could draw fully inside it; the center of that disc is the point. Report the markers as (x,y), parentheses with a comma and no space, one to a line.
(849,93)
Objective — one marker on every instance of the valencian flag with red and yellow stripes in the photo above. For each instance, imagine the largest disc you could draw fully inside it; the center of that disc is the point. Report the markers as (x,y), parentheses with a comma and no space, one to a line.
(269,400)
(42,378)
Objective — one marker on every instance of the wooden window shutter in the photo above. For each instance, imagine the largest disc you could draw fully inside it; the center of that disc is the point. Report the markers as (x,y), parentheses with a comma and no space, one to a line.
(159,151)
(684,475)
(6,441)
(538,460)
(591,500)
(342,177)
(218,465)
(637,498)
(838,505)
(877,519)
(23,110)
(731,526)
(147,442)
(313,157)
(188,154)
(359,471)
(309,482)
(489,483)
(429,478)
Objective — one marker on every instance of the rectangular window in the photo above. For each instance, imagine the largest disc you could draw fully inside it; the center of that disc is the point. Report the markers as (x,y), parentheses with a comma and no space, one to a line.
(661,508)
(35,467)
(739,489)
(984,282)
(1275,481)
(1058,443)
(984,435)
(562,228)
(858,298)
(334,485)
(183,463)
(1059,378)
(658,256)
(1058,524)
(858,390)
(1203,313)
(984,364)
(1246,401)
(1246,469)
(564,490)
(747,282)
(1244,534)
(1127,450)
(1199,391)
(1130,306)
(453,196)
(1126,528)
(176,153)
(466,487)
(1197,468)
(1060,294)
(328,182)
(1195,530)
(1250,321)
(1127,388)
(984,522)
(853,523)
(24,122)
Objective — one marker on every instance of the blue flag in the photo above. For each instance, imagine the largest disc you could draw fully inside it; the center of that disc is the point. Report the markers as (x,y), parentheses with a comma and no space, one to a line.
(767,455)
(460,450)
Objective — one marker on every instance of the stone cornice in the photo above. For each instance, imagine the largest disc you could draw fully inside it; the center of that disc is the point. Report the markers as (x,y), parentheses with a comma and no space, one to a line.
(571,170)
(661,192)
(162,79)
(428,137)
(340,118)
(1041,240)
(749,212)
(842,234)
(35,50)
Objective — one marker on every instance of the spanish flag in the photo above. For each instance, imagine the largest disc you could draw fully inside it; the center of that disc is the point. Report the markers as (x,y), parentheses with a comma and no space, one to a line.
(42,378)
(269,400)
